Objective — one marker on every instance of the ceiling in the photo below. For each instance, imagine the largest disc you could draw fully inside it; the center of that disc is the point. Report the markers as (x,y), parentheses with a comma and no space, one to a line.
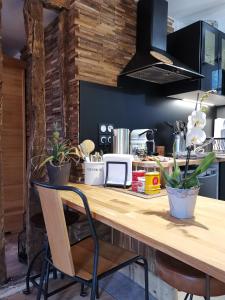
(186,12)
(183,11)
(13,33)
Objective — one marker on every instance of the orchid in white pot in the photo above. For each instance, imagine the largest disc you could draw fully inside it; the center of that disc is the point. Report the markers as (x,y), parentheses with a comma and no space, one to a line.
(183,188)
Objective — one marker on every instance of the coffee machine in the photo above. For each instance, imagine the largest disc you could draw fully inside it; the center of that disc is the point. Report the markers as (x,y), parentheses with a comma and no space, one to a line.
(142,142)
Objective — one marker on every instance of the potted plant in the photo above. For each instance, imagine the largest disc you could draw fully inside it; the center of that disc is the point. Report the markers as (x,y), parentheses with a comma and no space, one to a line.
(58,160)
(183,189)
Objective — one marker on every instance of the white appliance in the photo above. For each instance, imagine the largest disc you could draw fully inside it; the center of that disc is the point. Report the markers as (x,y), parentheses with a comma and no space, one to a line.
(219,132)
(118,169)
(219,128)
(209,182)
(138,141)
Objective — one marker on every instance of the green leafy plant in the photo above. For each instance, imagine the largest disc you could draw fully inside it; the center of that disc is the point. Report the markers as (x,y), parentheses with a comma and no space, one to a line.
(187,181)
(59,151)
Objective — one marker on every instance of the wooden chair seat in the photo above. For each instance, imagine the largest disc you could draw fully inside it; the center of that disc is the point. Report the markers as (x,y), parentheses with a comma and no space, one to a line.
(185,278)
(110,256)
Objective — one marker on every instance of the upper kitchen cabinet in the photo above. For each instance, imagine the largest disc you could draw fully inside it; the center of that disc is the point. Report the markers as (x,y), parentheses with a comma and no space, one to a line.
(202,47)
(222,62)
(210,58)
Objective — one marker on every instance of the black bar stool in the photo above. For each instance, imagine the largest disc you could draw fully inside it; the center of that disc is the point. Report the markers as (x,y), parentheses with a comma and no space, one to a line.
(186,278)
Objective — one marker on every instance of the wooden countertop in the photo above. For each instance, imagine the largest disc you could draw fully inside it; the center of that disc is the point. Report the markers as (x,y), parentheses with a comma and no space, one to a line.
(168,164)
(199,242)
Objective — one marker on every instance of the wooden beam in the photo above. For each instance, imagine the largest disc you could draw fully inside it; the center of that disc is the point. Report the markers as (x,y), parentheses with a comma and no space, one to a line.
(36,120)
(2,238)
(56,4)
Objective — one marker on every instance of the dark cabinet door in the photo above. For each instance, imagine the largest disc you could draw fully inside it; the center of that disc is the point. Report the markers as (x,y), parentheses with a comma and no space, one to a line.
(221,56)
(221,181)
(210,58)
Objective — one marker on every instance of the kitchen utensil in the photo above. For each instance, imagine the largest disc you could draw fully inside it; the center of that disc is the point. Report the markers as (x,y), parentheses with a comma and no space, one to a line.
(121,141)
(179,132)
(160,150)
(87,146)
(96,157)
(81,154)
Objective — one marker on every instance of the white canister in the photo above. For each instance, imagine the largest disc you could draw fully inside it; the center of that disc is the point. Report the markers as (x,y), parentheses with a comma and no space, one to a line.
(141,185)
(94,173)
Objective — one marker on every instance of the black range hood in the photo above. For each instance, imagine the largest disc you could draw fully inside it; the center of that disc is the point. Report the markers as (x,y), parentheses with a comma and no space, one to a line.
(151,62)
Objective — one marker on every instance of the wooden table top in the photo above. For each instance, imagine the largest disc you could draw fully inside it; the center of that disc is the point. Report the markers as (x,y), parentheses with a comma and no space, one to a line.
(199,242)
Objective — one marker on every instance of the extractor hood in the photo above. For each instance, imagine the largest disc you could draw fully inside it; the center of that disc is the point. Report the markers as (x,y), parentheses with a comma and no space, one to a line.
(151,62)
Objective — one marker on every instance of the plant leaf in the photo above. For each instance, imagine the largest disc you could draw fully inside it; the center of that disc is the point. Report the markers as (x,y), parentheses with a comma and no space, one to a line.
(176,169)
(48,159)
(204,165)
(169,180)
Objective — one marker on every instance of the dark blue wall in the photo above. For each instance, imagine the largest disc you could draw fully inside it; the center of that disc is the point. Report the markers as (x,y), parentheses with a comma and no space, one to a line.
(134,107)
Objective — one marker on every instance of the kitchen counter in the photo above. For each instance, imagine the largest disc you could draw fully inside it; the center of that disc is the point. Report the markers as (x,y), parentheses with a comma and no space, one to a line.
(169,164)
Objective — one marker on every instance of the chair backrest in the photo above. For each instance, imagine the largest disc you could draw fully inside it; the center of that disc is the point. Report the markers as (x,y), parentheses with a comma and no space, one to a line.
(52,208)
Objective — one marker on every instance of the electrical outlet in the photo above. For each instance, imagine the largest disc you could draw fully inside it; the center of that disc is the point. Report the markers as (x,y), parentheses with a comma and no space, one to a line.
(102,128)
(105,131)
(103,139)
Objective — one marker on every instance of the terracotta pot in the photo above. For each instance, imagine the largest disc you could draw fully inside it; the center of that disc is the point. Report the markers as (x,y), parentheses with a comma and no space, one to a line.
(59,175)
(182,202)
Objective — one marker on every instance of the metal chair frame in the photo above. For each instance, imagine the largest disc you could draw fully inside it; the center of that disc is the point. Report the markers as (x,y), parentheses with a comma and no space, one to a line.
(93,283)
(32,278)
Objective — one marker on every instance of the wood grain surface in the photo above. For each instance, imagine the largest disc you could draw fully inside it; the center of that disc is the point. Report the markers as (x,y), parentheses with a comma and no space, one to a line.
(199,242)
(36,116)
(14,145)
(2,234)
(56,4)
(105,39)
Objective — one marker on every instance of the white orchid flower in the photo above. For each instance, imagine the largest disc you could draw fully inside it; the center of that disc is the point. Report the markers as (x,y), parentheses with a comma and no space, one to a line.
(189,124)
(198,119)
(195,136)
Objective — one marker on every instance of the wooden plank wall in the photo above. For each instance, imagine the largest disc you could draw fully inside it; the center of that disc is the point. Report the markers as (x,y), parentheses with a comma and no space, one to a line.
(36,144)
(61,85)
(2,239)
(105,38)
(13,144)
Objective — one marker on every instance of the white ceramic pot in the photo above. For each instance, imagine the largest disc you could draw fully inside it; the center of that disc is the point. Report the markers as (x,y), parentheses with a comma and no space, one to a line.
(94,173)
(182,202)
